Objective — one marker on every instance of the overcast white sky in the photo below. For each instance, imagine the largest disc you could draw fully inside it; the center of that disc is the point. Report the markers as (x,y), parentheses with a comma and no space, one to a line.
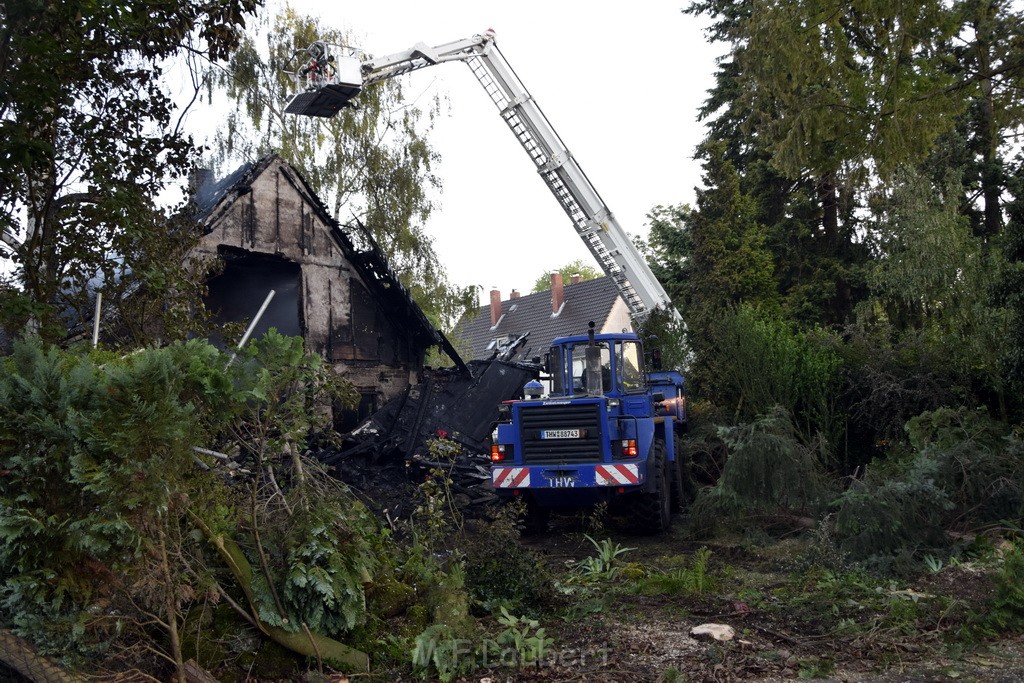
(620,82)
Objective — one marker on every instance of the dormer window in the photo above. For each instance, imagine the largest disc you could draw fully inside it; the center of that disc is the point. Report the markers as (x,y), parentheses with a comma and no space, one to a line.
(498,342)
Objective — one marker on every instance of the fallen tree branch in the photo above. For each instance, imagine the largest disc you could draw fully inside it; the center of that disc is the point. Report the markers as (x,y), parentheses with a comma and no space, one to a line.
(20,656)
(307,644)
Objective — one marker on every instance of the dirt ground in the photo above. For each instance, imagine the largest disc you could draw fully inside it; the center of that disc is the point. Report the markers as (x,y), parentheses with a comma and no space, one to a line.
(791,619)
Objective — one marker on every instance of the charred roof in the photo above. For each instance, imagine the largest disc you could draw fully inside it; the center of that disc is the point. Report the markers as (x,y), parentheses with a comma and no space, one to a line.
(214,199)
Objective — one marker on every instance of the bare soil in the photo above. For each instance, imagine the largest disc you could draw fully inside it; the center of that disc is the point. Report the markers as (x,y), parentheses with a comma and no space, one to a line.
(792,619)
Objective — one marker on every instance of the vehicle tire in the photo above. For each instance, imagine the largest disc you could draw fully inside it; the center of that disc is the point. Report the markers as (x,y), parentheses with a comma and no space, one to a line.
(535,519)
(684,488)
(675,472)
(652,512)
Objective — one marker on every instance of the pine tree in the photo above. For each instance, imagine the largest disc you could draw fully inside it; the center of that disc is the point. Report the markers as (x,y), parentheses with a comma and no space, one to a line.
(717,251)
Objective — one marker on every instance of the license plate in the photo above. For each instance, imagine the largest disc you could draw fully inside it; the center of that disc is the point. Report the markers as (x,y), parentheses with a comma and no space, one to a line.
(561,433)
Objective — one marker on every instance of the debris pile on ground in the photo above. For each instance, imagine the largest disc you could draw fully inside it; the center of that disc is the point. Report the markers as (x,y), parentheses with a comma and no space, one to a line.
(388,453)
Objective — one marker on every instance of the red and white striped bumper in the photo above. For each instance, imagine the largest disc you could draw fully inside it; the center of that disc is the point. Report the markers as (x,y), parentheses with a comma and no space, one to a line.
(616,475)
(510,477)
(566,476)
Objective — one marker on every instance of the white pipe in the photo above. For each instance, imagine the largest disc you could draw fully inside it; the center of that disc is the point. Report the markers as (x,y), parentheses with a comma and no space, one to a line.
(207,451)
(96,320)
(252,326)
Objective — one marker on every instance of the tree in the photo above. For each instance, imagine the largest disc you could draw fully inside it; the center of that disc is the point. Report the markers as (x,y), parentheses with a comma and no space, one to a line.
(669,247)
(839,90)
(991,66)
(88,145)
(850,83)
(936,278)
(373,161)
(1011,291)
(577,267)
(810,233)
(718,247)
(712,258)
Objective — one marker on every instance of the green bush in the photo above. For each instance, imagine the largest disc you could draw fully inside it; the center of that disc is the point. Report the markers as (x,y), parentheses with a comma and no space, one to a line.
(964,469)
(500,572)
(96,460)
(768,472)
(1007,611)
(761,362)
(110,523)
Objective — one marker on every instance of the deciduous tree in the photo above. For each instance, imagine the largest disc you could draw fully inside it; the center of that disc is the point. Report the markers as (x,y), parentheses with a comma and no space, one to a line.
(88,144)
(577,267)
(374,161)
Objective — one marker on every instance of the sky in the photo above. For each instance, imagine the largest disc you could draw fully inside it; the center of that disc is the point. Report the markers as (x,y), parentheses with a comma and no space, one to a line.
(621,83)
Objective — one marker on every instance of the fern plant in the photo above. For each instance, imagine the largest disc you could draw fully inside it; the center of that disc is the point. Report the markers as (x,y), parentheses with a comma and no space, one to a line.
(696,579)
(1007,613)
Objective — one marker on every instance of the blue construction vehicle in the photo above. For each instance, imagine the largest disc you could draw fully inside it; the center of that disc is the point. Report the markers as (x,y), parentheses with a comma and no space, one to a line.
(606,431)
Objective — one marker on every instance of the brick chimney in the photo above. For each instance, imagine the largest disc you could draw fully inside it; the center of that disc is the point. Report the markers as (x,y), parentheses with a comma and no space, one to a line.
(575,279)
(514,294)
(557,293)
(199,178)
(495,306)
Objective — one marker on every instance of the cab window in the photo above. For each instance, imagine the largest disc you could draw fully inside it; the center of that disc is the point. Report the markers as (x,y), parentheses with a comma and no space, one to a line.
(630,363)
(556,369)
(579,367)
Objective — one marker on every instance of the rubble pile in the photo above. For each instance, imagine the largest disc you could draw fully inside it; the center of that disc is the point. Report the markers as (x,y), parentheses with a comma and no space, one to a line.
(389,453)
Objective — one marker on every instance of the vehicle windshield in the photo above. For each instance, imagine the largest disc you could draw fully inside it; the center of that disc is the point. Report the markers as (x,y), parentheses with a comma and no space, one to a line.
(579,368)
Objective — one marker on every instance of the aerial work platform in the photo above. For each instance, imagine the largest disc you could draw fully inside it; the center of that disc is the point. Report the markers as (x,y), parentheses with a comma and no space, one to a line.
(328,82)
(331,82)
(323,102)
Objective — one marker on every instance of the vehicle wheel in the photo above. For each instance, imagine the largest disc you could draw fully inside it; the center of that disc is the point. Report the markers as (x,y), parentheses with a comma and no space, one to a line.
(676,474)
(652,512)
(535,519)
(684,489)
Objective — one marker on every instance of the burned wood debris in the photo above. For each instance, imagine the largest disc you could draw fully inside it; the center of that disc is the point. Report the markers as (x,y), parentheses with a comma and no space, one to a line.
(390,451)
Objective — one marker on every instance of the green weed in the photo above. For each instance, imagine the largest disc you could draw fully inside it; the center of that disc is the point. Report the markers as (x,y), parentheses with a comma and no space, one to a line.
(438,652)
(526,638)
(672,675)
(816,667)
(1007,613)
(934,564)
(604,566)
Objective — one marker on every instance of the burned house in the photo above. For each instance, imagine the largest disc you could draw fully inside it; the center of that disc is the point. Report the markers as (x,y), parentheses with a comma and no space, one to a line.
(522,327)
(333,285)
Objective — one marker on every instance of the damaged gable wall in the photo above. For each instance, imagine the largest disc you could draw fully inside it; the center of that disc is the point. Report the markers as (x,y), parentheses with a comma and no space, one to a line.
(268,214)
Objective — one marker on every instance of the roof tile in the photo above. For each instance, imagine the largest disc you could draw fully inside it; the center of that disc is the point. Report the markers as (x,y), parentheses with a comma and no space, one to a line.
(591,300)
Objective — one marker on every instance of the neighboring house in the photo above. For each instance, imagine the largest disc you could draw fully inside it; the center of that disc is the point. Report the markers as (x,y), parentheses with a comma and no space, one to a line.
(522,327)
(273,232)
